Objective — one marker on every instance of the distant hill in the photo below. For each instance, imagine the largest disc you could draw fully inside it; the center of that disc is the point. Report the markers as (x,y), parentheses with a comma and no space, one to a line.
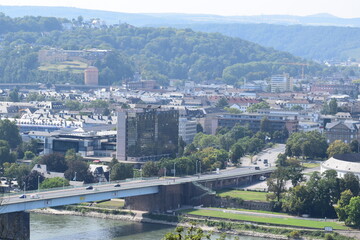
(310,42)
(315,37)
(160,54)
(143,19)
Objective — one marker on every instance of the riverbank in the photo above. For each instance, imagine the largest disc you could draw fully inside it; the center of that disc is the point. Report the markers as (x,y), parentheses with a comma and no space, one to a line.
(209,225)
(138,217)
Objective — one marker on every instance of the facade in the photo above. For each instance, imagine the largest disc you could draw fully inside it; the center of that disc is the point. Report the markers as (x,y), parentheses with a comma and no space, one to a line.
(147,134)
(88,144)
(187,129)
(342,164)
(281,83)
(345,131)
(91,76)
(253,121)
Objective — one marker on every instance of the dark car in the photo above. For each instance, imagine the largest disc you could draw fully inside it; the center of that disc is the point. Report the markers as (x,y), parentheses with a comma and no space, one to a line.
(117,185)
(89,188)
(22,196)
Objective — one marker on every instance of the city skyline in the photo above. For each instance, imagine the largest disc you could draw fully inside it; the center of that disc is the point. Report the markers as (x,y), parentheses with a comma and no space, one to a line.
(344,9)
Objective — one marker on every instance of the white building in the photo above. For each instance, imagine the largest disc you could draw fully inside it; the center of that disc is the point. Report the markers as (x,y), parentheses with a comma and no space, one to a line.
(281,83)
(342,164)
(187,129)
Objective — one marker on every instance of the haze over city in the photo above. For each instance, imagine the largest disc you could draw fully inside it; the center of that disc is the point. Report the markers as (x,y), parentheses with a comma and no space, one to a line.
(344,9)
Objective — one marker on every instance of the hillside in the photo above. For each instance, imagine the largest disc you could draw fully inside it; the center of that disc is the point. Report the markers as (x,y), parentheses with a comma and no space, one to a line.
(157,53)
(310,42)
(315,37)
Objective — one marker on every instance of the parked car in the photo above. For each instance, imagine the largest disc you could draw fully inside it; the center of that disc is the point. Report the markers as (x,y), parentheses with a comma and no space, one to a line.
(257,168)
(262,178)
(89,188)
(117,185)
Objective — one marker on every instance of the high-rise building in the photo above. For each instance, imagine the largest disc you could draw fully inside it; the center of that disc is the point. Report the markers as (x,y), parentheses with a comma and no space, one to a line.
(281,83)
(187,129)
(147,134)
(91,76)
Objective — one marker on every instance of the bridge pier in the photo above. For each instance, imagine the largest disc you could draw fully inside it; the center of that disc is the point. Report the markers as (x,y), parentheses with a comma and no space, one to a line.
(15,226)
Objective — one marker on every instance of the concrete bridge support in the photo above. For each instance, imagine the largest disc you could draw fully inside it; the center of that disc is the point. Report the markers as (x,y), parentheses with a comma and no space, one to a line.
(15,226)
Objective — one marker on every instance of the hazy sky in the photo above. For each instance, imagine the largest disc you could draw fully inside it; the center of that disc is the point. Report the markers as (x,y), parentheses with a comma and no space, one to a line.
(340,8)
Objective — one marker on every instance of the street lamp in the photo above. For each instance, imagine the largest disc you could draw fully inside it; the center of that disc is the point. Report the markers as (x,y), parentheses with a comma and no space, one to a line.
(75,177)
(200,168)
(141,173)
(196,169)
(38,183)
(174,171)
(24,187)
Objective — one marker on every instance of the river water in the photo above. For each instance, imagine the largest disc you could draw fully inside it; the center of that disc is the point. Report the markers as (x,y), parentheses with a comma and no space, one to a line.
(60,227)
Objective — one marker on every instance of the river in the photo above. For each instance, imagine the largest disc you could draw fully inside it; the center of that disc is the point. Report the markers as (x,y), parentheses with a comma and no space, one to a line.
(60,227)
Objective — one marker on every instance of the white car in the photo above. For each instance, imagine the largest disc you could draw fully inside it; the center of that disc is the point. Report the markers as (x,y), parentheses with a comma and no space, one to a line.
(262,178)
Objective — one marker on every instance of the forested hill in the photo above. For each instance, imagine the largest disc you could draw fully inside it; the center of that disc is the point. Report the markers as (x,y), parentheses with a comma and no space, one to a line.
(310,42)
(157,53)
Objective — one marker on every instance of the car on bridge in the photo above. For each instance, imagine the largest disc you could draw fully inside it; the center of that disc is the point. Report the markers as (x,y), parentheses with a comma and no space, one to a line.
(117,185)
(89,188)
(22,196)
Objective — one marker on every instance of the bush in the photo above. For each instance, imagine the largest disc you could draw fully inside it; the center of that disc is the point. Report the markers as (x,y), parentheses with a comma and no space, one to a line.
(294,235)
(329,236)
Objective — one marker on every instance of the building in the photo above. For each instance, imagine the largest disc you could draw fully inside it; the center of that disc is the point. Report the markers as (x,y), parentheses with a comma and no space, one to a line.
(87,143)
(345,131)
(91,76)
(187,129)
(281,83)
(342,164)
(253,122)
(147,134)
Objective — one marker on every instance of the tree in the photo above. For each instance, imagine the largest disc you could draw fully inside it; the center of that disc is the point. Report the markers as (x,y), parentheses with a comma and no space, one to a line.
(333,106)
(192,233)
(342,203)
(121,171)
(265,125)
(353,212)
(31,180)
(351,182)
(354,146)
(80,170)
(276,182)
(338,147)
(55,162)
(10,133)
(54,183)
(296,201)
(72,156)
(256,106)
(223,102)
(5,154)
(150,169)
(236,152)
(307,144)
(14,95)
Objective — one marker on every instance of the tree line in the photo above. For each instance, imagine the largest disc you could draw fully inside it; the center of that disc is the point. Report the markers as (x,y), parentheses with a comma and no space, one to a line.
(157,53)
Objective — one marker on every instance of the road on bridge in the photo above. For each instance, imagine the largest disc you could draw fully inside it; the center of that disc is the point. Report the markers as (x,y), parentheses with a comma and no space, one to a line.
(125,185)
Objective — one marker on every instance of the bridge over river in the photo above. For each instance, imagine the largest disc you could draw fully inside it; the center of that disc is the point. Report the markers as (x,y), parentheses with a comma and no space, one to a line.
(158,194)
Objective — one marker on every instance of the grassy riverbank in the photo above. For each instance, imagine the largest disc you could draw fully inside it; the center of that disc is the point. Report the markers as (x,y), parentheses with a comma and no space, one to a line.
(267,220)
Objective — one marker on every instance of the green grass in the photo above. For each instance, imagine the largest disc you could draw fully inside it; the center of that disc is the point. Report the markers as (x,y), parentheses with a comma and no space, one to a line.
(110,204)
(257,211)
(72,66)
(268,220)
(245,195)
(311,165)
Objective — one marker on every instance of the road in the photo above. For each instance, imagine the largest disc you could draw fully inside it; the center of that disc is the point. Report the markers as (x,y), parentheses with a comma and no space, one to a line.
(135,184)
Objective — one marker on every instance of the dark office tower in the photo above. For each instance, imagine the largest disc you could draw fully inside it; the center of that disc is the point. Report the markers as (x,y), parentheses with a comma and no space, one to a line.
(147,134)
